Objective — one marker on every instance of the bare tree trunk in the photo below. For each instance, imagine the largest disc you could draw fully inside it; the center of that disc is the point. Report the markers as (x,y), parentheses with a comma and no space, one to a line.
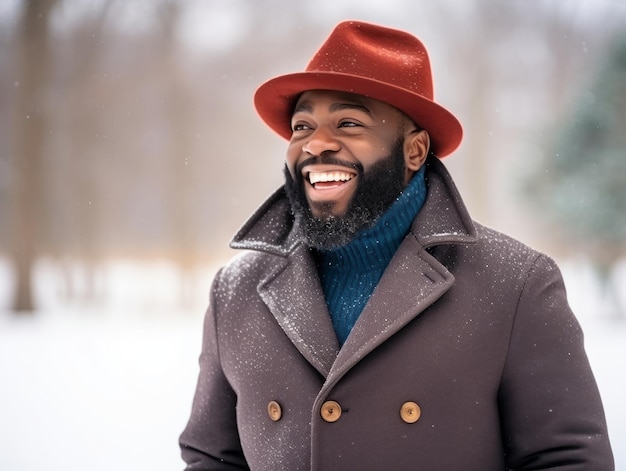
(181,164)
(29,134)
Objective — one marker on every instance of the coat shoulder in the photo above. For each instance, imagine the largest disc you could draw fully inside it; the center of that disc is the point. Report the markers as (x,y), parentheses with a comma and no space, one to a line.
(497,259)
(246,266)
(501,249)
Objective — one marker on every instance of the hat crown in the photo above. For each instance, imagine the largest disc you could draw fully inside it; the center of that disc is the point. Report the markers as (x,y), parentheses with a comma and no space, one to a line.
(376,53)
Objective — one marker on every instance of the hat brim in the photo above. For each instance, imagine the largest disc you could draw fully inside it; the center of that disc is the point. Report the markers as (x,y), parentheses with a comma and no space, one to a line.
(275,99)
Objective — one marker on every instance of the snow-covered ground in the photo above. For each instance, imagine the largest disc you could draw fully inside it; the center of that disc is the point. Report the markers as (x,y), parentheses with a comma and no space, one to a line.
(109,386)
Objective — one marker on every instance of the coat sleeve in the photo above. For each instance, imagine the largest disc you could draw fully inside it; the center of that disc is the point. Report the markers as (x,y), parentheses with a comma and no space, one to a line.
(210,440)
(551,412)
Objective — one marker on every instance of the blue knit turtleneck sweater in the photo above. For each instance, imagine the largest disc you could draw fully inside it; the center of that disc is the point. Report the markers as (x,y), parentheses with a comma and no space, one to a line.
(350,273)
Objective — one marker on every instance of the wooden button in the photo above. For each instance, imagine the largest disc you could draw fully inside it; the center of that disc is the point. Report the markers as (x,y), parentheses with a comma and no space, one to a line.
(274,411)
(331,411)
(410,412)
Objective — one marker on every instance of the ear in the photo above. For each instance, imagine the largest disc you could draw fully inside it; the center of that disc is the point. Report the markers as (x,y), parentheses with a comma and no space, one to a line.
(416,147)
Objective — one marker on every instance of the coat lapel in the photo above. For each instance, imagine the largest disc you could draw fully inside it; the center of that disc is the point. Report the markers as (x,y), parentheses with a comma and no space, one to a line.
(413,281)
(293,294)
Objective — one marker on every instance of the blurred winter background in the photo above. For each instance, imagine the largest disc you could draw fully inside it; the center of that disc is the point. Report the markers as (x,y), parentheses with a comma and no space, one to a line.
(130,153)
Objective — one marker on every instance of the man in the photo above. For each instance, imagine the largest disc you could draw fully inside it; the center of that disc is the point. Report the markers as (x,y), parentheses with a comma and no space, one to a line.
(370,324)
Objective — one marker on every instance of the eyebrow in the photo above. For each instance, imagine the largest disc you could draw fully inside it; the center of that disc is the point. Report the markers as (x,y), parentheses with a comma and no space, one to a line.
(307,107)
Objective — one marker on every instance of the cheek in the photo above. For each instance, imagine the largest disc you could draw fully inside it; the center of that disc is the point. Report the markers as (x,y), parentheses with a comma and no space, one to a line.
(370,154)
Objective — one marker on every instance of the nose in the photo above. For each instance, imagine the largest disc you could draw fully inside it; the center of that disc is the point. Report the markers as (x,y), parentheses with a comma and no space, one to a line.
(321,141)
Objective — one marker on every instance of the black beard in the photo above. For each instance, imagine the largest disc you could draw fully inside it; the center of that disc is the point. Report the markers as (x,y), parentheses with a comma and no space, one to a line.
(376,191)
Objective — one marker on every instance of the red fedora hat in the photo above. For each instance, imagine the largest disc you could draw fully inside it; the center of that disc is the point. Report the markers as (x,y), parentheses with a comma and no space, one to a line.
(381,63)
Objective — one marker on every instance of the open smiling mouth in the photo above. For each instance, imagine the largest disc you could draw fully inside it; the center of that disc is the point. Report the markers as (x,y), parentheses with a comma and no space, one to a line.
(330,179)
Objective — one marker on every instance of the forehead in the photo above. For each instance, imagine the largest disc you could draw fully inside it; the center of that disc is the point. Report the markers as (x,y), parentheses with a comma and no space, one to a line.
(333,100)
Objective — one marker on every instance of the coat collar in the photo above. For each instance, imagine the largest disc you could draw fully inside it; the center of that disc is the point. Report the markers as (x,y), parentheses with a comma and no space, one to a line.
(443,219)
(291,288)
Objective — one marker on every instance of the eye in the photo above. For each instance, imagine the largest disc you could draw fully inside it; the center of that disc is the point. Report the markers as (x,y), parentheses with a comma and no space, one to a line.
(349,124)
(300,127)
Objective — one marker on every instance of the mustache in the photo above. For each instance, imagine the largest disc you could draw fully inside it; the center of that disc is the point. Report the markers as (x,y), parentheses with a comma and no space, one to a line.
(328,160)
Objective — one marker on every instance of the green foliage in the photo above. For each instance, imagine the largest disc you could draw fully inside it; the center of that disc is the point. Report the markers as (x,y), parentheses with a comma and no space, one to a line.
(581,186)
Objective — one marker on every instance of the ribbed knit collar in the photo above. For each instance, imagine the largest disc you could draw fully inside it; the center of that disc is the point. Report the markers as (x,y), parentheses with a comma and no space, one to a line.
(373,248)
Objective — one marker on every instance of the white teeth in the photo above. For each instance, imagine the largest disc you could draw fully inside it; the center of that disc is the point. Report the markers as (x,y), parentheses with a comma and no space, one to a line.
(315,177)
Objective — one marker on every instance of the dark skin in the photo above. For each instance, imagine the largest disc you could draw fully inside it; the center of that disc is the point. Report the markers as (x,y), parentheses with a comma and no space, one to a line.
(352,129)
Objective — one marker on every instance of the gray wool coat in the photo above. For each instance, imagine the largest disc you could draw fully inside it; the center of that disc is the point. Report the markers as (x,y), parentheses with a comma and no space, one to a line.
(466,357)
